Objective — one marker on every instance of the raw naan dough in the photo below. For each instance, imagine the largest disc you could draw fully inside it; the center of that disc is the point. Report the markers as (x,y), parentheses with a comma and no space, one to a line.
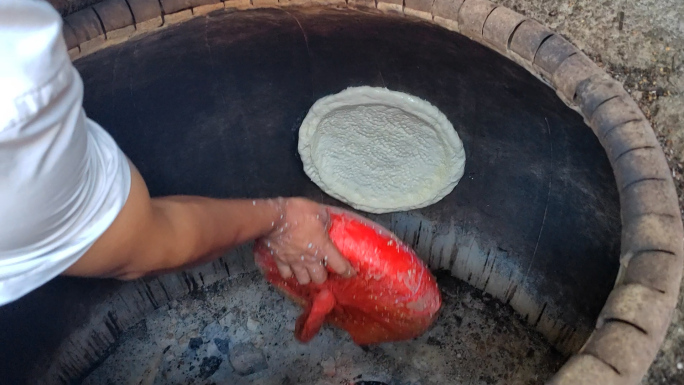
(379,150)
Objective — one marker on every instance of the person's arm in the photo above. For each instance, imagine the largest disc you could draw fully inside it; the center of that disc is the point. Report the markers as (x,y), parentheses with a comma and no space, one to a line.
(66,204)
(152,236)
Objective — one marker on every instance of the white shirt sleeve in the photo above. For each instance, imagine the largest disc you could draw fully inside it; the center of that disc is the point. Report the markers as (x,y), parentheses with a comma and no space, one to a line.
(63,180)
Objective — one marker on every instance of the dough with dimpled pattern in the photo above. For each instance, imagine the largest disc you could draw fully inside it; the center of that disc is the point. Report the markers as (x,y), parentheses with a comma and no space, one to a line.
(379,150)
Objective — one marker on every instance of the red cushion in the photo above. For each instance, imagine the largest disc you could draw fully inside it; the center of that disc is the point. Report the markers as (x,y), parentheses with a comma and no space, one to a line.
(392,297)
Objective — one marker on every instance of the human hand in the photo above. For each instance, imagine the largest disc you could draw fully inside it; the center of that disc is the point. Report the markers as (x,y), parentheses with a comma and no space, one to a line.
(300,244)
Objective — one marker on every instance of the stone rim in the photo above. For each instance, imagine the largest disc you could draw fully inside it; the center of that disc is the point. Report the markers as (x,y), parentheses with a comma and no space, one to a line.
(632,325)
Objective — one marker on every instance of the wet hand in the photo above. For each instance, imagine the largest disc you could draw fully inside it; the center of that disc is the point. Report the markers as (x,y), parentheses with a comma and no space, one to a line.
(300,244)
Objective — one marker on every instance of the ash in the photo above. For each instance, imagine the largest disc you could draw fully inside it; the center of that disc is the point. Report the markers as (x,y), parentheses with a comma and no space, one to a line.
(241,331)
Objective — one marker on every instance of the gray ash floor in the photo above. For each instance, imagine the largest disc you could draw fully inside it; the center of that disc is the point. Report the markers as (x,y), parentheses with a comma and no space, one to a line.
(243,325)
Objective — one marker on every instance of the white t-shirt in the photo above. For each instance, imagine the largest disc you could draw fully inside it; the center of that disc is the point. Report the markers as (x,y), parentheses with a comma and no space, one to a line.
(63,179)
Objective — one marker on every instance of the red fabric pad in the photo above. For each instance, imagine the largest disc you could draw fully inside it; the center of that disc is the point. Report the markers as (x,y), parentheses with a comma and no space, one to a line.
(393,296)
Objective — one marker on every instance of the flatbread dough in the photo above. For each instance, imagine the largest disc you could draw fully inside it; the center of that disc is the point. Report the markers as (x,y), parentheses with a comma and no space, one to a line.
(379,150)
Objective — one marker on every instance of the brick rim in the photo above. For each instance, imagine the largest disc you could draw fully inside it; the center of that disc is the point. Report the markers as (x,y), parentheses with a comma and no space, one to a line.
(632,325)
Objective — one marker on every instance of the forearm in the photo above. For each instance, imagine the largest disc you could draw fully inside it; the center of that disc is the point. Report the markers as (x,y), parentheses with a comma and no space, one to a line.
(202,227)
(153,236)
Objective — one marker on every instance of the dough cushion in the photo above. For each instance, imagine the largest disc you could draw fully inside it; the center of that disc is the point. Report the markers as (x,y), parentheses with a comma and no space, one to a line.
(379,150)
